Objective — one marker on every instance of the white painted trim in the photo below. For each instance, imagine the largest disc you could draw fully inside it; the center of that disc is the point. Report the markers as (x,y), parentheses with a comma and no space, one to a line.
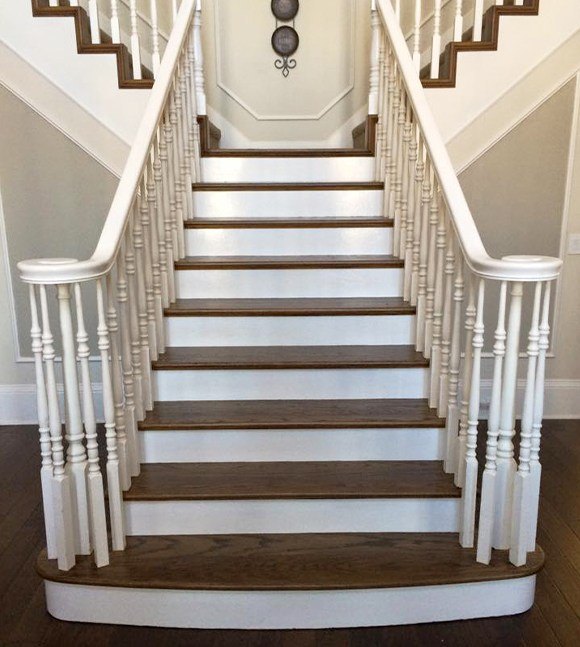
(259,117)
(289,609)
(61,111)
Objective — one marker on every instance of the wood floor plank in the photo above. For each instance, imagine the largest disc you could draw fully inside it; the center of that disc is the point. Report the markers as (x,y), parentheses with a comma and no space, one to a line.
(291,562)
(313,262)
(288,357)
(288,186)
(288,223)
(292,414)
(292,480)
(297,307)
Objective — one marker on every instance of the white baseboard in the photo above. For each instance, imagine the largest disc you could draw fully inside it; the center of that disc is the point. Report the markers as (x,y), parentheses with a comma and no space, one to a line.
(18,401)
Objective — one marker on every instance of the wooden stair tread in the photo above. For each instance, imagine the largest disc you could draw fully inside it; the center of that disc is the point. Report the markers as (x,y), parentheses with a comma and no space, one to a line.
(292,414)
(288,262)
(288,186)
(298,307)
(292,480)
(291,562)
(288,357)
(286,223)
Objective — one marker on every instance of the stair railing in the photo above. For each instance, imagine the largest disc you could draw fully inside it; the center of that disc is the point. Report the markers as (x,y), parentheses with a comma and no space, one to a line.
(124,20)
(449,276)
(429,27)
(126,284)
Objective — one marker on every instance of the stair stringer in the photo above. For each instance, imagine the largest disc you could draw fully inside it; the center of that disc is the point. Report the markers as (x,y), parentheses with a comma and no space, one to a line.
(50,47)
(483,78)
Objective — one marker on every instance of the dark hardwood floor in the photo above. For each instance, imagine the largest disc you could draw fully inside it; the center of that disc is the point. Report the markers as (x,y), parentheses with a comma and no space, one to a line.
(554,619)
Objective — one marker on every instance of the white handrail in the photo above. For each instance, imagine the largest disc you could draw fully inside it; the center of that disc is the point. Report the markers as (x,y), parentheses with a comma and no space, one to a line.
(59,271)
(510,268)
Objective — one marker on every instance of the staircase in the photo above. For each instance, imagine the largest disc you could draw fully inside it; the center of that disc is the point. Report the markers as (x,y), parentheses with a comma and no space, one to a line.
(290,354)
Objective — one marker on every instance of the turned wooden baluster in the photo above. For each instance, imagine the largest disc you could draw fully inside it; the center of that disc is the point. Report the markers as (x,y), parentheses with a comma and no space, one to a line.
(180,168)
(155,55)
(522,480)
(194,109)
(169,194)
(478,20)
(411,212)
(162,203)
(506,464)
(46,469)
(62,499)
(121,411)
(402,178)
(435,207)
(135,42)
(458,23)
(198,61)
(423,256)
(436,41)
(417,36)
(126,347)
(450,463)
(487,508)
(76,455)
(379,99)
(469,471)
(375,60)
(94,22)
(417,219)
(147,267)
(115,26)
(535,466)
(95,489)
(438,309)
(446,324)
(136,272)
(470,314)
(187,150)
(393,139)
(388,131)
(114,487)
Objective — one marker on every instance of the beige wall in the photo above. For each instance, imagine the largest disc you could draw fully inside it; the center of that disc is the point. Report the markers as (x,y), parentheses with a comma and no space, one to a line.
(248,92)
(55,198)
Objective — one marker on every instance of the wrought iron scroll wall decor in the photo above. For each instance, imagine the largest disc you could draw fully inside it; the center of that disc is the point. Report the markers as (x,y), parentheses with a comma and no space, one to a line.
(285,39)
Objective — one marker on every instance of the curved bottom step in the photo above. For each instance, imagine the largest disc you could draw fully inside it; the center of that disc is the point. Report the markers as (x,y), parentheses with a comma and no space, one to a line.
(290,582)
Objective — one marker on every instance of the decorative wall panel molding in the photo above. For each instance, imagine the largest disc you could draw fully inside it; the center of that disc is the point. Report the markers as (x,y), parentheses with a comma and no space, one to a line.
(244,69)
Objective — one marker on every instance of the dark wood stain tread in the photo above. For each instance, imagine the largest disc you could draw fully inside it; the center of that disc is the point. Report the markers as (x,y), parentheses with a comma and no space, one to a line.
(292,480)
(41,8)
(291,563)
(288,357)
(288,186)
(313,262)
(287,223)
(292,414)
(296,307)
(489,42)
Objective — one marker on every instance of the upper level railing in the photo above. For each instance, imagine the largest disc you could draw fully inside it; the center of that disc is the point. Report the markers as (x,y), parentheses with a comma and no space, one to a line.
(130,279)
(448,274)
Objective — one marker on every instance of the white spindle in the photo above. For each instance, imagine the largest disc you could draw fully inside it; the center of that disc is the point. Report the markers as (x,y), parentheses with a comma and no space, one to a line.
(478,20)
(198,61)
(62,501)
(135,42)
(398,10)
(487,508)
(76,455)
(535,466)
(436,41)
(438,310)
(417,219)
(173,10)
(469,480)
(374,60)
(95,489)
(46,470)
(458,22)
(147,250)
(94,22)
(115,26)
(446,324)
(113,473)
(434,209)
(506,465)
(522,480)
(417,36)
(155,55)
(423,257)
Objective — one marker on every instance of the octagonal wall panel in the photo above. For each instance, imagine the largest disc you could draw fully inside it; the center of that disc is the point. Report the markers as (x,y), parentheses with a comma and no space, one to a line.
(327,89)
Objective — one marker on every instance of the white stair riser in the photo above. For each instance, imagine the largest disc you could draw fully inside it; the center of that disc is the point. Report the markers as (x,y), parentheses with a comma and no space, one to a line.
(298,384)
(288,283)
(289,609)
(289,242)
(285,445)
(287,204)
(290,331)
(291,516)
(288,169)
